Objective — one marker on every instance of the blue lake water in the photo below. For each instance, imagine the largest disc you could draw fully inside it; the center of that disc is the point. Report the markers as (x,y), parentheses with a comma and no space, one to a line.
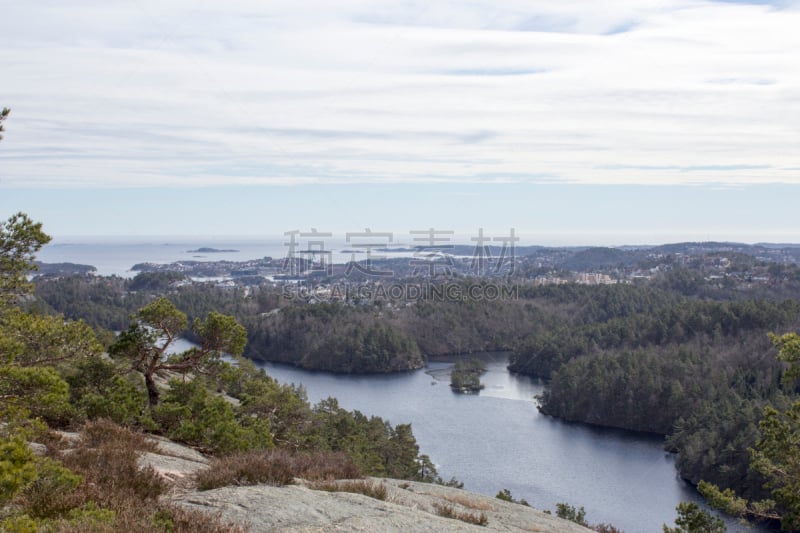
(497,439)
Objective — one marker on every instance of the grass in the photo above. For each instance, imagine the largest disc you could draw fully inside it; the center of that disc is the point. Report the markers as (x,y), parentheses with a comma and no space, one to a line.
(362,486)
(448,511)
(276,467)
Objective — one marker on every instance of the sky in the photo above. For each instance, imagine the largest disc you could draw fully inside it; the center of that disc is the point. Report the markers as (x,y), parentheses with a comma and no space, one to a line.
(574,122)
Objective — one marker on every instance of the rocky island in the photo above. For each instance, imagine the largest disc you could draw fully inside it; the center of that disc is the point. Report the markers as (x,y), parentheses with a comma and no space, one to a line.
(207,250)
(466,376)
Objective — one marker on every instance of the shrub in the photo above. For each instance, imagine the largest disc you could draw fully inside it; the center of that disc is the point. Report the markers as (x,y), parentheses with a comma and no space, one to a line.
(505,495)
(448,511)
(86,519)
(367,488)
(18,524)
(452,482)
(17,467)
(105,432)
(51,494)
(107,458)
(276,467)
(104,492)
(326,466)
(132,518)
(468,501)
(248,468)
(176,519)
(605,528)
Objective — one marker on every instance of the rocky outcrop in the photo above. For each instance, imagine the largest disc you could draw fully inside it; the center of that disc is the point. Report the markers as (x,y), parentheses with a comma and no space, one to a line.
(409,507)
(173,461)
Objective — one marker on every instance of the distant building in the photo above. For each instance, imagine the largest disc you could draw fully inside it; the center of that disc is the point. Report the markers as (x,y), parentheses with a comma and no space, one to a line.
(594,278)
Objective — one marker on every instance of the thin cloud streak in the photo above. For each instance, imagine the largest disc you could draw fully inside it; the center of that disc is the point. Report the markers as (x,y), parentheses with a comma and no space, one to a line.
(185,94)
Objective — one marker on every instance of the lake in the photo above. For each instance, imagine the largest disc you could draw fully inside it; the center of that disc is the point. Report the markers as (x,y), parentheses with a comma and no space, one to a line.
(497,439)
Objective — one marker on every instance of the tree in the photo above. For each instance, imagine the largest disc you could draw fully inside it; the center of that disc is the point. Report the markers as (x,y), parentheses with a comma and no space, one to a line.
(36,391)
(569,512)
(465,376)
(776,454)
(158,325)
(692,519)
(506,496)
(789,352)
(284,406)
(3,115)
(27,339)
(20,239)
(190,413)
(98,390)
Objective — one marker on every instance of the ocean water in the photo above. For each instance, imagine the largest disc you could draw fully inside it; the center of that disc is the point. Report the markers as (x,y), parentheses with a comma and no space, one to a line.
(115,256)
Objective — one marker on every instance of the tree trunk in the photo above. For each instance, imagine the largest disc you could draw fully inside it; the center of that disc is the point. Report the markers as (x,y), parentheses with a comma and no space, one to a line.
(152,390)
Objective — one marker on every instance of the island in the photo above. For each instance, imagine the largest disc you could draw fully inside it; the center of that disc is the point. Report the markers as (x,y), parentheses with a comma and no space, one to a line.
(466,376)
(206,250)
(63,269)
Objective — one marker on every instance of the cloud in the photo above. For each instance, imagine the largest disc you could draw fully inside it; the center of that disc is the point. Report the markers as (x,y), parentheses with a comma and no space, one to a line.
(186,93)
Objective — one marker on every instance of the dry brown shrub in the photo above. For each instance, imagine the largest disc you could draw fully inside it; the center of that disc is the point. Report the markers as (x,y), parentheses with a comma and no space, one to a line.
(107,459)
(326,465)
(275,467)
(149,519)
(111,472)
(247,468)
(104,432)
(448,511)
(372,489)
(605,528)
(468,502)
(182,520)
